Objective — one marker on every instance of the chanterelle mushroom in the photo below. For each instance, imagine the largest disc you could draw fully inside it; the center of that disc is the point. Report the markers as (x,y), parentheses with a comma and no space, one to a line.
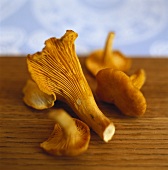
(57,71)
(70,136)
(35,98)
(107,58)
(114,86)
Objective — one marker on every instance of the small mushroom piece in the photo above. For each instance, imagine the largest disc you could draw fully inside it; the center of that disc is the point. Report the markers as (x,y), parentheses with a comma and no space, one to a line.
(57,71)
(107,58)
(35,98)
(138,78)
(114,86)
(70,136)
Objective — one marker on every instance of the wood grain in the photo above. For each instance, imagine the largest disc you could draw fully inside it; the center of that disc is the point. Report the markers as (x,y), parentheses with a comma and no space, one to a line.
(139,143)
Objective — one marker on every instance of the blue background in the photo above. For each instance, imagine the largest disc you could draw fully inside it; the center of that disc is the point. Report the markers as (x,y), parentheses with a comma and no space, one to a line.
(140,26)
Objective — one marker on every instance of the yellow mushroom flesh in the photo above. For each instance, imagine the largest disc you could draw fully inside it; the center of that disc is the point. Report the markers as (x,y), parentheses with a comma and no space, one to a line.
(70,136)
(57,71)
(114,86)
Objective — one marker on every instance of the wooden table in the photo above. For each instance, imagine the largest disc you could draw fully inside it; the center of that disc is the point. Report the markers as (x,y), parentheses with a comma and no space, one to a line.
(139,143)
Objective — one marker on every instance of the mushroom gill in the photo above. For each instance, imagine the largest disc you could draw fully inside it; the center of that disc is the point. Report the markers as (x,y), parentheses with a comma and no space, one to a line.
(70,136)
(57,71)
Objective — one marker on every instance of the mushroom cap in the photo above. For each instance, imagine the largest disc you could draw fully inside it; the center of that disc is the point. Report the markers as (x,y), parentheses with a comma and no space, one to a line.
(114,86)
(121,61)
(57,70)
(35,98)
(117,61)
(59,144)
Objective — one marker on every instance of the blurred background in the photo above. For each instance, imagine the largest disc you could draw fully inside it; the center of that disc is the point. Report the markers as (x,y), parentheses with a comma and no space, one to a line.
(140,26)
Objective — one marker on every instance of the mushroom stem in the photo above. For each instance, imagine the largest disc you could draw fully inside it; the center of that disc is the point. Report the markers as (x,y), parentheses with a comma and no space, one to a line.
(65,122)
(89,112)
(108,47)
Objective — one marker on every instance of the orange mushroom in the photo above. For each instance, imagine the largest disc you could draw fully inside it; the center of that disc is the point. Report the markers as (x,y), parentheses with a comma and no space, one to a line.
(107,58)
(57,71)
(70,136)
(114,86)
(35,98)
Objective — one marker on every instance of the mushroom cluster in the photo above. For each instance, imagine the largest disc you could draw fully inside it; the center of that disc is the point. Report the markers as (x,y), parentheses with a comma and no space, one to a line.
(109,67)
(56,74)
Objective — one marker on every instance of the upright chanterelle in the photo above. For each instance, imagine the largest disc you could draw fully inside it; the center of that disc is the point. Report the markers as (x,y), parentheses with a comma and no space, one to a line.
(57,71)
